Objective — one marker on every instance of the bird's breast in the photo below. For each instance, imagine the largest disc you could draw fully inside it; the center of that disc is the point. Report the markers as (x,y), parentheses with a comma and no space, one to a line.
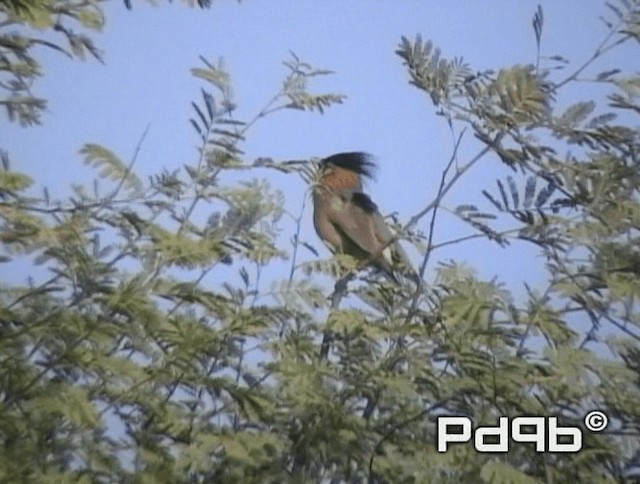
(324,201)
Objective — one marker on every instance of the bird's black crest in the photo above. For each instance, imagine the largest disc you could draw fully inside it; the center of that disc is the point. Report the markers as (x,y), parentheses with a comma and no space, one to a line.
(355,161)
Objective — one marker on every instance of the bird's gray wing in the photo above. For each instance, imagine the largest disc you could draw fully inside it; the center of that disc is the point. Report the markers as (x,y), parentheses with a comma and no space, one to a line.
(354,219)
(395,254)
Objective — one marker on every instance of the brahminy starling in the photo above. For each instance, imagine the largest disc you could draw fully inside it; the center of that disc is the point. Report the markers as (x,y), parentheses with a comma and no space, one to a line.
(348,221)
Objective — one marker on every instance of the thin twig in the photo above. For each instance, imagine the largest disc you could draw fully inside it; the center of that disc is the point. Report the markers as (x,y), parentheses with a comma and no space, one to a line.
(418,416)
(442,190)
(446,187)
(294,257)
(130,167)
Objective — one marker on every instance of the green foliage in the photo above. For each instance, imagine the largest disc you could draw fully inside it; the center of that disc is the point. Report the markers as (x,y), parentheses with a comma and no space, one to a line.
(20,36)
(295,87)
(146,346)
(11,182)
(111,168)
(23,28)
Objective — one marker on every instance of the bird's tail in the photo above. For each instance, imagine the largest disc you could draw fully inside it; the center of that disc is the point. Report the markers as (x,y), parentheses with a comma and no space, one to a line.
(395,265)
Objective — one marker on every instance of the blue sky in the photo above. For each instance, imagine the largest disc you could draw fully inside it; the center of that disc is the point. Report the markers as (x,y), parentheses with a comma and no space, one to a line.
(146,81)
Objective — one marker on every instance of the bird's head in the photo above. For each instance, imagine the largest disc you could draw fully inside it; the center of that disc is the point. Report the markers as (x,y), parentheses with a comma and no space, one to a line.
(344,171)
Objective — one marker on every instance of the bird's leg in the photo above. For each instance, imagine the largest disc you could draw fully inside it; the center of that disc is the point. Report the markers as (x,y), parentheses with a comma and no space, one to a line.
(339,291)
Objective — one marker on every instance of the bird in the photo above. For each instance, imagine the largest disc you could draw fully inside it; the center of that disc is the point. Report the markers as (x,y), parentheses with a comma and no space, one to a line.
(349,222)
